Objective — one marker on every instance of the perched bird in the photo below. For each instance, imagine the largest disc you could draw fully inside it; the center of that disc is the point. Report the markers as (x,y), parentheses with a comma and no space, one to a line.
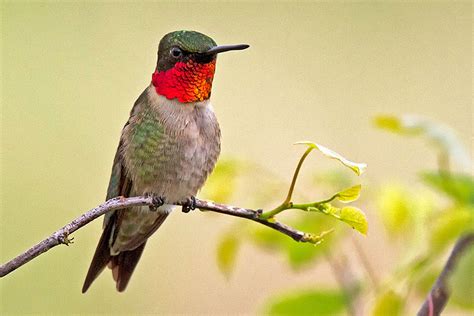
(168,147)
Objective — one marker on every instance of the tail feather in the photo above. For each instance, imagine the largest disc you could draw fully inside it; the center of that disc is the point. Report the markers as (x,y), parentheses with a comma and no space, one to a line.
(101,257)
(123,265)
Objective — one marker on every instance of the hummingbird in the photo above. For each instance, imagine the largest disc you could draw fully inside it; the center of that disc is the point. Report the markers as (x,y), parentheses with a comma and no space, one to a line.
(168,147)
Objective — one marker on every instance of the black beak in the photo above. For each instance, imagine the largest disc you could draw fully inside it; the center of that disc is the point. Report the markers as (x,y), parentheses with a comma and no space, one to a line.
(225,48)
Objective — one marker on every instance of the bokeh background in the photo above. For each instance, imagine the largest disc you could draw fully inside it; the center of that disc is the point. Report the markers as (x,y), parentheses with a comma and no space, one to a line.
(315,71)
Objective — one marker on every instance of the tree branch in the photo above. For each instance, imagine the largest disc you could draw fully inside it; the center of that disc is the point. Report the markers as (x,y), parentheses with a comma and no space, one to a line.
(61,236)
(440,292)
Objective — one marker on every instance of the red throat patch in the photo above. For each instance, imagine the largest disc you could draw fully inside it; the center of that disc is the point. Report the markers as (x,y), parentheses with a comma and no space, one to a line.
(187,82)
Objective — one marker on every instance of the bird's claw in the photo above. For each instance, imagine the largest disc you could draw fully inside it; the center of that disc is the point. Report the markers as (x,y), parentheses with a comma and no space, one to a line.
(189,205)
(65,239)
(156,201)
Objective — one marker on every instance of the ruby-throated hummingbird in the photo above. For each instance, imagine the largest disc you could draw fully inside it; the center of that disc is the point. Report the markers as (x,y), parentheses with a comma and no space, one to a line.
(168,147)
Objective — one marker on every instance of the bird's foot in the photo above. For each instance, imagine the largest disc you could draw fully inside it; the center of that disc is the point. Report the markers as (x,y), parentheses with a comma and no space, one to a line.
(189,205)
(65,239)
(156,200)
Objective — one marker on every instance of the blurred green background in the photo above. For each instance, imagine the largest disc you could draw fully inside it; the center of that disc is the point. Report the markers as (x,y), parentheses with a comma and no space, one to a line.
(70,73)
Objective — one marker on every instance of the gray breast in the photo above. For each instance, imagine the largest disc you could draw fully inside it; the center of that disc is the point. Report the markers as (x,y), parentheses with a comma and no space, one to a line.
(180,157)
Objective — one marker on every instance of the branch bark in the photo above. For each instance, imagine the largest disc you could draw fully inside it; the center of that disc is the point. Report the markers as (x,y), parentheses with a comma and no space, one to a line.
(61,236)
(440,292)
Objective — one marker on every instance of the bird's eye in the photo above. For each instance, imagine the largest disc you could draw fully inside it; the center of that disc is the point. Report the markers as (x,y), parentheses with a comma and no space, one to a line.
(176,52)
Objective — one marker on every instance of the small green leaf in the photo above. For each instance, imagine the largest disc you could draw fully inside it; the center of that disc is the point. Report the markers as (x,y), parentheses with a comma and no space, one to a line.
(389,303)
(226,253)
(356,218)
(299,255)
(307,302)
(390,123)
(329,209)
(314,209)
(358,168)
(458,186)
(449,225)
(349,195)
(396,209)
(317,239)
(396,125)
(349,215)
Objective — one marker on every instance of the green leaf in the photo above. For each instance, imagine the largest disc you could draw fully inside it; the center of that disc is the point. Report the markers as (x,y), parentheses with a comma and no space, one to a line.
(349,195)
(299,255)
(349,215)
(449,225)
(460,187)
(389,303)
(226,253)
(462,280)
(397,125)
(307,302)
(395,205)
(358,168)
(317,239)
(356,218)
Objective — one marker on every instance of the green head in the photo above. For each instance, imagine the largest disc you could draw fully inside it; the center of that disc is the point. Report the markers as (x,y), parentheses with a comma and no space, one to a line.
(182,45)
(173,43)
(186,64)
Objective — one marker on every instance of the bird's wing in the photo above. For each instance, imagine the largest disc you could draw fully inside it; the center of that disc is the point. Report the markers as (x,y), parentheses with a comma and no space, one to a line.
(124,263)
(119,185)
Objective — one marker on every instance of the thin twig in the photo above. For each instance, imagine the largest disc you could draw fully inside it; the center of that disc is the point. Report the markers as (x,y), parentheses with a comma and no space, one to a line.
(61,236)
(440,292)
(295,175)
(287,204)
